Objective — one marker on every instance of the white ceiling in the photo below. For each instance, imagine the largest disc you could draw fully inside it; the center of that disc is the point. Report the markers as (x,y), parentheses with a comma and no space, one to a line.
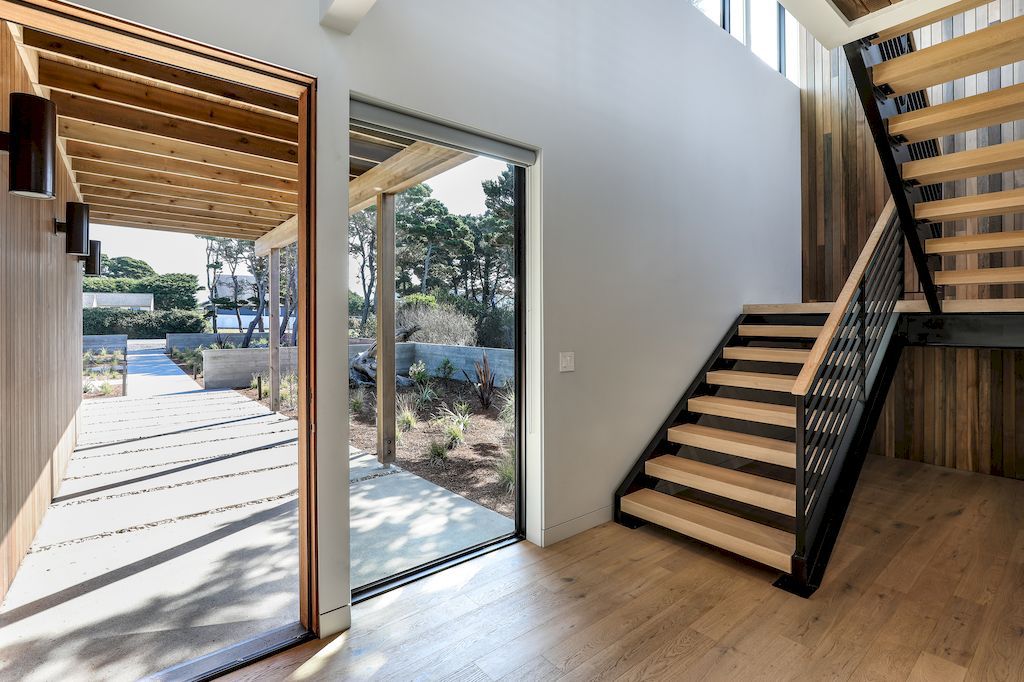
(832,29)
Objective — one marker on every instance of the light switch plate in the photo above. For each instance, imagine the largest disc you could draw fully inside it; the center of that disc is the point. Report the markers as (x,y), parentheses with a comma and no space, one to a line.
(567,361)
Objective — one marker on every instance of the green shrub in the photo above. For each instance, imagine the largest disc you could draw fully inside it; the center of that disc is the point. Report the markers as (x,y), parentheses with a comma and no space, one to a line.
(460,418)
(497,329)
(446,369)
(418,373)
(426,397)
(176,290)
(416,301)
(437,452)
(141,324)
(453,435)
(506,468)
(358,400)
(406,415)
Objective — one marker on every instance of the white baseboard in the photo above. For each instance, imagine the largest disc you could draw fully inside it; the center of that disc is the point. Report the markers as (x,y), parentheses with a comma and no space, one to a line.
(578,525)
(333,622)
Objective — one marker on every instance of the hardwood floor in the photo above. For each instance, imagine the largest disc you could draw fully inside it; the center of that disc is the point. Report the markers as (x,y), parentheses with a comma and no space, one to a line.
(926,583)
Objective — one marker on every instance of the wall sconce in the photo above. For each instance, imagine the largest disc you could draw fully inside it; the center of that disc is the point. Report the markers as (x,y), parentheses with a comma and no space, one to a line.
(92,261)
(76,227)
(32,146)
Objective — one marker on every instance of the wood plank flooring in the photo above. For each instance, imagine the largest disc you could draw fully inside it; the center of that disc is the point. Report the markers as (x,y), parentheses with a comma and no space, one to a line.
(927,583)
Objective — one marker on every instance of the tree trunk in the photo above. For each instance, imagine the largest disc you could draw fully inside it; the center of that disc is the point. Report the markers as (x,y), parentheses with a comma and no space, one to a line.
(259,316)
(426,268)
(363,369)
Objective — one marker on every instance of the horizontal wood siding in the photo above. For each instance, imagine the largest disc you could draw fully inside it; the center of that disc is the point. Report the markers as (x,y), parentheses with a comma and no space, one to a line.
(40,345)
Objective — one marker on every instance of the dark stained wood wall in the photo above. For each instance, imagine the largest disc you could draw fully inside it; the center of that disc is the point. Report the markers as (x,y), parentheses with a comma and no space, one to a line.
(844,188)
(962,408)
(40,345)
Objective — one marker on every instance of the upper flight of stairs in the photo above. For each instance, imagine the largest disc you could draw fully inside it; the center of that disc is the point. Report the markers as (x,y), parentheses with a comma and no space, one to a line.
(917,123)
(724,471)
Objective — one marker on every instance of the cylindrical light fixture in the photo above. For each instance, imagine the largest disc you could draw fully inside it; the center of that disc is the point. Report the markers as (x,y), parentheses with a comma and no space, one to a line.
(32,143)
(76,226)
(92,261)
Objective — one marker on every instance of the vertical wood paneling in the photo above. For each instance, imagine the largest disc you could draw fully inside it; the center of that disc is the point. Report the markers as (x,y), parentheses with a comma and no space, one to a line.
(40,345)
(961,408)
(843,185)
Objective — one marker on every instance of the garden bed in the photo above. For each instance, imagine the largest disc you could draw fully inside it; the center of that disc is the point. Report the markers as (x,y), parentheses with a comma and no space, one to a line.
(470,468)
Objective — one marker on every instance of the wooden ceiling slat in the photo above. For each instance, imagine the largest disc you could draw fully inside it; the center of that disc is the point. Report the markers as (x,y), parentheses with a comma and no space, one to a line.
(184,229)
(180,219)
(83,108)
(160,71)
(90,180)
(86,131)
(198,204)
(168,170)
(359,132)
(357,167)
(76,80)
(96,200)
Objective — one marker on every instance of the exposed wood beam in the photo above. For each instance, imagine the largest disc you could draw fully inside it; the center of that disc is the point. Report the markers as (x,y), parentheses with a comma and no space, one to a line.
(161,214)
(76,80)
(101,181)
(284,234)
(84,108)
(241,232)
(420,161)
(154,60)
(201,231)
(94,160)
(111,136)
(160,207)
(371,151)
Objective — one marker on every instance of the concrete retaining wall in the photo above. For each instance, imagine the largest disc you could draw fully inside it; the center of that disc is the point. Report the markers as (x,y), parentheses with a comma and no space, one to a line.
(234,367)
(191,341)
(117,342)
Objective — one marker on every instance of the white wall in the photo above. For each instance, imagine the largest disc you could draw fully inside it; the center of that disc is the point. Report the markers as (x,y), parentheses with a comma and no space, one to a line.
(670,185)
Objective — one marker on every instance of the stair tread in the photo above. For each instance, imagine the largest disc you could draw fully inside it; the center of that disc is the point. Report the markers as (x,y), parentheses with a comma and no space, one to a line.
(997,158)
(991,47)
(973,206)
(755,541)
(789,331)
(736,485)
(750,410)
(757,380)
(927,19)
(976,243)
(977,111)
(796,356)
(760,448)
(1012,275)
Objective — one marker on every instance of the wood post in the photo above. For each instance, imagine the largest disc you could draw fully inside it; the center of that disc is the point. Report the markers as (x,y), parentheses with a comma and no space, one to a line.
(275,328)
(386,329)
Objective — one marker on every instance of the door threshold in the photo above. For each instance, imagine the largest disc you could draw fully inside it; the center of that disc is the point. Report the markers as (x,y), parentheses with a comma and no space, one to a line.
(411,575)
(236,656)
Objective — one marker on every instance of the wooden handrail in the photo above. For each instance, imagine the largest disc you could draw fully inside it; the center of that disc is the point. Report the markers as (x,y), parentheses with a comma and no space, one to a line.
(831,327)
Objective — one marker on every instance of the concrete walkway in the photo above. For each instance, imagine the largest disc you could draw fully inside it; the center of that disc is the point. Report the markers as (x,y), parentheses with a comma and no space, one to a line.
(174,533)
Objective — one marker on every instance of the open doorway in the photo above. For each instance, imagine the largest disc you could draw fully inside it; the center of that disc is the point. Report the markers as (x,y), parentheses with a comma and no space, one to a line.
(182,522)
(436,348)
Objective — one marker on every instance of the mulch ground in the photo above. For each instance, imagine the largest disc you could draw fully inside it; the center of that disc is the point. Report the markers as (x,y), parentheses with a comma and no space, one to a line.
(471,467)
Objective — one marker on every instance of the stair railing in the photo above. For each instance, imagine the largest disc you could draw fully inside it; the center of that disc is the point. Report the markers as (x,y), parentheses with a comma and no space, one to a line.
(832,389)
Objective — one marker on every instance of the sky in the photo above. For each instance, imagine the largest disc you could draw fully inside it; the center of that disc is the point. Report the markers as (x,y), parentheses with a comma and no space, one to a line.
(459,189)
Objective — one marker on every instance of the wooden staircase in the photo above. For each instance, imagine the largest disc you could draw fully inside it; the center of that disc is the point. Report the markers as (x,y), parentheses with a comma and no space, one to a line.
(898,88)
(724,473)
(754,456)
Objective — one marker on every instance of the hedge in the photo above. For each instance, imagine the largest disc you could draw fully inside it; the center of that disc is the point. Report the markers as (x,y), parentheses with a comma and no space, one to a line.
(176,290)
(142,324)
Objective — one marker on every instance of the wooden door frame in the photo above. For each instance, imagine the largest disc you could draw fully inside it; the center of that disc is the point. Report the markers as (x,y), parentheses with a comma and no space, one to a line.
(120,35)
